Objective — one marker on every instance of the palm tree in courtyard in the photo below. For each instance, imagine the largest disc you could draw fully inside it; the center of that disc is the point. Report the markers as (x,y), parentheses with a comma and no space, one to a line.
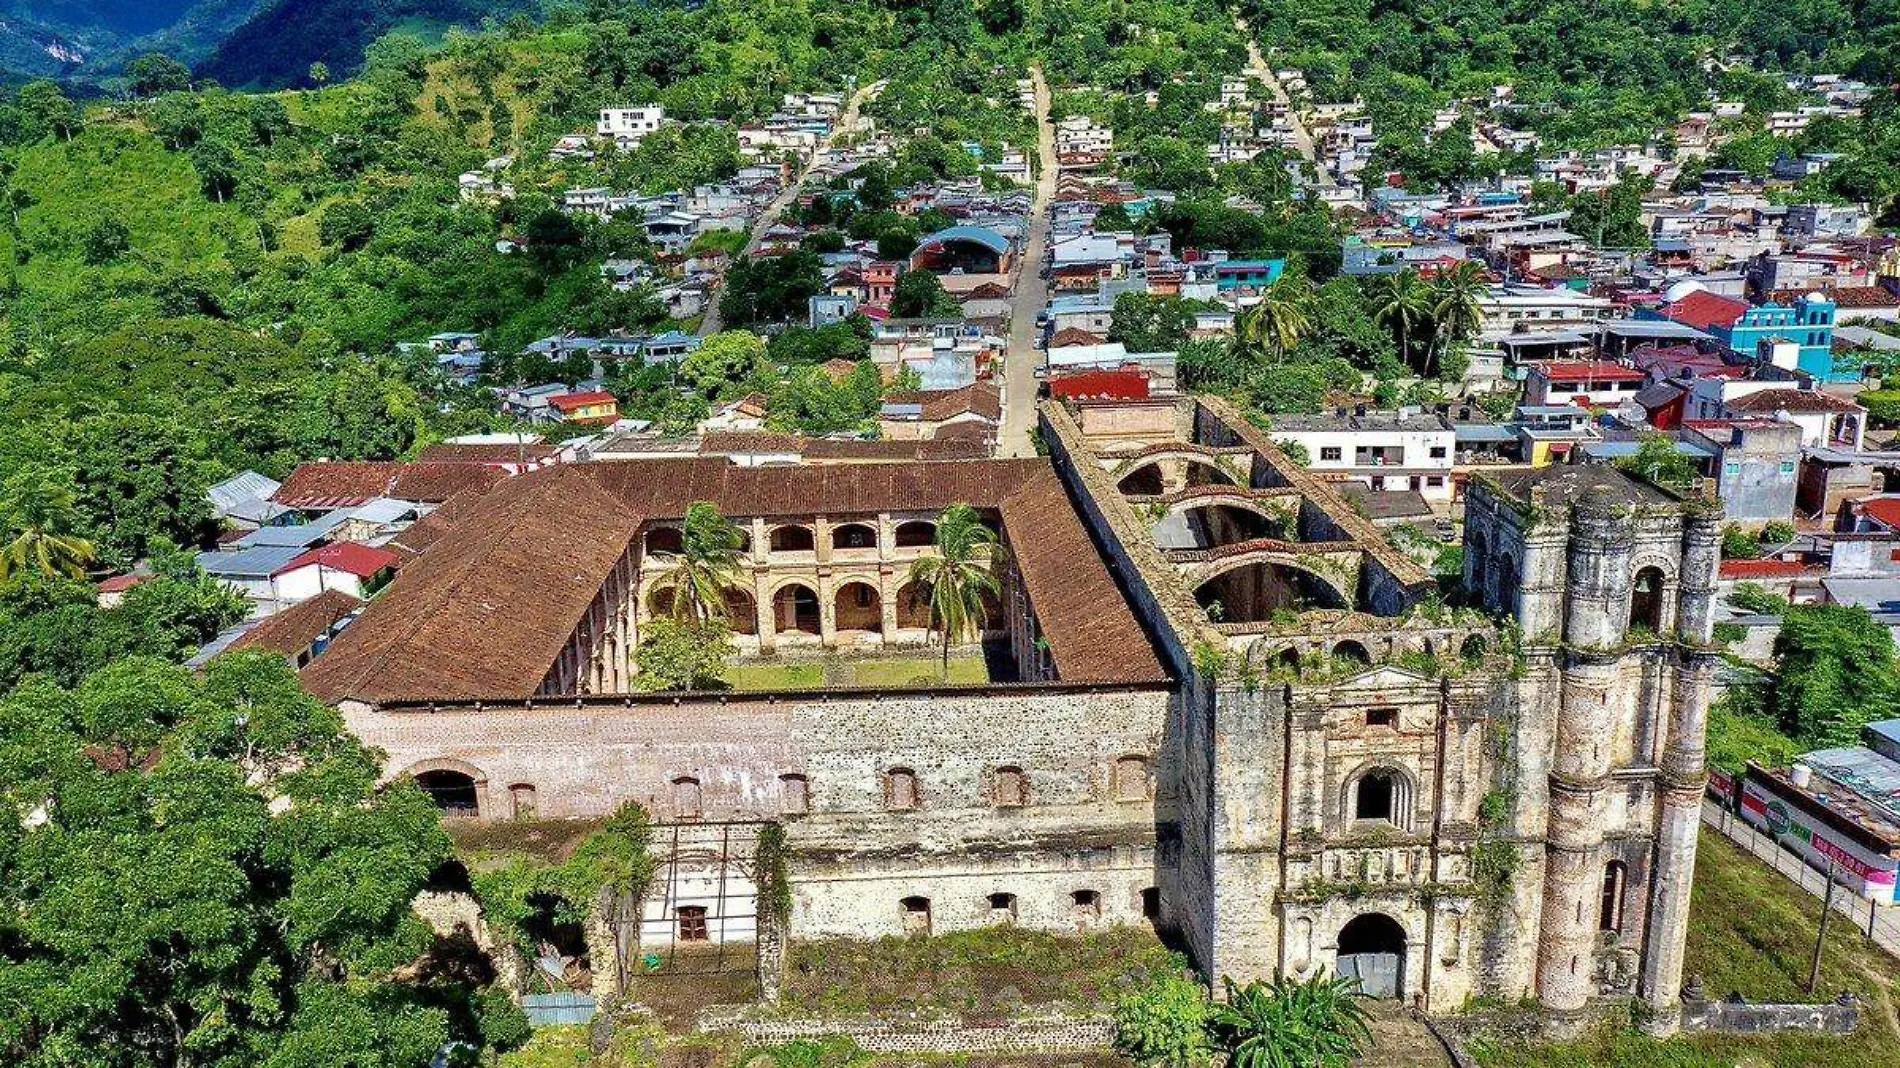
(1457,314)
(1270,329)
(958,575)
(1401,303)
(705,569)
(37,516)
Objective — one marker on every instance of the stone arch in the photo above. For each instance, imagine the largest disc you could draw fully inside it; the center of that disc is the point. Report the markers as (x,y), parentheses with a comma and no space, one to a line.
(853,536)
(1649,599)
(856,606)
(742,612)
(456,786)
(1615,881)
(1251,587)
(1129,778)
(1474,648)
(1378,792)
(915,534)
(1213,522)
(796,609)
(664,540)
(1478,552)
(1352,650)
(1371,949)
(1501,589)
(791,538)
(913,607)
(1197,469)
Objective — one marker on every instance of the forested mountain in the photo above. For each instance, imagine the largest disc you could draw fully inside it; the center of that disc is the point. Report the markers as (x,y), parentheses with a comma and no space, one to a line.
(87,39)
(278,44)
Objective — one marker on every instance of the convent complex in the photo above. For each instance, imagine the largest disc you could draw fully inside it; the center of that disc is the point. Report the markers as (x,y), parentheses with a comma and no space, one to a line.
(1213,698)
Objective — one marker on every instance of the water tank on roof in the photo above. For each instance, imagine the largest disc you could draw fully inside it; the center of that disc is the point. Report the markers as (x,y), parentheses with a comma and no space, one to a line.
(1682,289)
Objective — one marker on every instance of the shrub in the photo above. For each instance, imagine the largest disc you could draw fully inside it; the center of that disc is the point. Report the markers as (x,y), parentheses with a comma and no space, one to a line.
(1164,1022)
(1883,405)
(1739,544)
(1777,533)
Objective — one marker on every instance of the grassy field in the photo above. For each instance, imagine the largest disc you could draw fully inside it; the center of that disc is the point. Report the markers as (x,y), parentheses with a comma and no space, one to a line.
(852,672)
(990,973)
(1750,932)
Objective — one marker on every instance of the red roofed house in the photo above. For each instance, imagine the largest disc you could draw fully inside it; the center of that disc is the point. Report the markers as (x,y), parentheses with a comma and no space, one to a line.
(594,408)
(1705,310)
(1124,383)
(113,590)
(1585,383)
(345,566)
(1878,515)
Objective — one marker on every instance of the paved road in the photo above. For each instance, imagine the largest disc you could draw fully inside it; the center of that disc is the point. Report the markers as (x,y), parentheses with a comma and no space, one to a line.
(710,324)
(1030,296)
(1302,140)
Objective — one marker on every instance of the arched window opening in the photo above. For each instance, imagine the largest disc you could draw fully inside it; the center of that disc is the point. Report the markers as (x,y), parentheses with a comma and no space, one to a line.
(795,610)
(1012,788)
(1131,778)
(686,798)
(1615,876)
(1382,795)
(916,534)
(521,800)
(794,794)
(853,536)
(692,923)
(857,607)
(1473,649)
(915,913)
(452,791)
(1353,651)
(900,789)
(1646,601)
(792,539)
(665,540)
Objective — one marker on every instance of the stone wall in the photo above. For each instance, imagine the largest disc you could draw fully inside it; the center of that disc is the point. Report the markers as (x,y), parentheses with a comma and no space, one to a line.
(1746,1018)
(1047,1034)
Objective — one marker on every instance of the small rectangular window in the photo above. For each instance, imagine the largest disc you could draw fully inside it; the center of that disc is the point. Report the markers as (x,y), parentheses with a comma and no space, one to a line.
(1787,467)
(1382,717)
(1438,452)
(1329,452)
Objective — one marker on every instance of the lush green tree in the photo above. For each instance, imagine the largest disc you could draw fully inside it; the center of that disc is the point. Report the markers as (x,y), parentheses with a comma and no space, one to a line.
(1163,1022)
(1401,303)
(771,289)
(1835,673)
(47,111)
(1457,314)
(920,295)
(683,654)
(1268,331)
(213,877)
(150,75)
(705,570)
(1148,323)
(723,361)
(957,576)
(37,516)
(345,225)
(107,240)
(1658,460)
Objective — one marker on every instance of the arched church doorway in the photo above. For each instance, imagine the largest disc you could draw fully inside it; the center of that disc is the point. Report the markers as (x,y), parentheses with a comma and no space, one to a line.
(1372,950)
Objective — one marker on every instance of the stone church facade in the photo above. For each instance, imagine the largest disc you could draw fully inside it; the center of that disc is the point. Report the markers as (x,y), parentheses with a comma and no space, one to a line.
(1221,703)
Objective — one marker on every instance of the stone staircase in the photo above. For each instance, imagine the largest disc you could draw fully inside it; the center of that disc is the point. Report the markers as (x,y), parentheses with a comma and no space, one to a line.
(1399,1041)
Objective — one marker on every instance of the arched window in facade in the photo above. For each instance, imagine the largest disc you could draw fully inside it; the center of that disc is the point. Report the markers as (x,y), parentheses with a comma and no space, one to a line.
(1012,788)
(1131,778)
(853,536)
(1382,795)
(452,791)
(900,790)
(794,794)
(915,914)
(521,800)
(1646,600)
(687,800)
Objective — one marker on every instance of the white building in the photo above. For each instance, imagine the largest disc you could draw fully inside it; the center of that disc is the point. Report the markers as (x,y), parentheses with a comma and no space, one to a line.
(1404,449)
(1515,309)
(630,125)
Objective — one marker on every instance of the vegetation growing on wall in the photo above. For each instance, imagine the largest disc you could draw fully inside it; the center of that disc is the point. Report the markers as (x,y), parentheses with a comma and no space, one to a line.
(517,892)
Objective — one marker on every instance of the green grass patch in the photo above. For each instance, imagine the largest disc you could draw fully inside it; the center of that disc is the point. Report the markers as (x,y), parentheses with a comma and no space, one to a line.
(846,672)
(1751,932)
(918,672)
(757,676)
(988,974)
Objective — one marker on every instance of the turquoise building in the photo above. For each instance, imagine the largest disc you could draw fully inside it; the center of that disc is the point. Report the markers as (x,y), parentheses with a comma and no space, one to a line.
(1809,324)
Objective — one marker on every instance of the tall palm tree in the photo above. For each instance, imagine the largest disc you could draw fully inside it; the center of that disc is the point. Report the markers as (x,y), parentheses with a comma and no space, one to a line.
(1401,303)
(707,566)
(37,515)
(1271,328)
(958,575)
(1457,314)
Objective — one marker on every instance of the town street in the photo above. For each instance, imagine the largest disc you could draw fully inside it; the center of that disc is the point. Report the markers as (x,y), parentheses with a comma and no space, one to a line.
(1302,140)
(1031,295)
(710,324)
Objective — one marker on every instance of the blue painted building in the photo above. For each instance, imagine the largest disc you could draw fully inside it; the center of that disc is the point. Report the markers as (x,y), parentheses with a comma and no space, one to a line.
(1258,274)
(1809,324)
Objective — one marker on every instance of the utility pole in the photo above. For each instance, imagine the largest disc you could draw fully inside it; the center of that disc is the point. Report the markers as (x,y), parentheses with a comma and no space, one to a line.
(1820,938)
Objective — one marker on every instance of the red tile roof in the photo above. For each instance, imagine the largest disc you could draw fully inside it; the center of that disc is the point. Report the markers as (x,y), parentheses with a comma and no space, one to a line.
(1762,569)
(346,484)
(357,559)
(122,583)
(1590,371)
(1123,384)
(1704,310)
(568,402)
(1792,400)
(1883,510)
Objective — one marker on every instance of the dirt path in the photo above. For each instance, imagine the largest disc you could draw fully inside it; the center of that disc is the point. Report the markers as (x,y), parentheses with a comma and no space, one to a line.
(1302,139)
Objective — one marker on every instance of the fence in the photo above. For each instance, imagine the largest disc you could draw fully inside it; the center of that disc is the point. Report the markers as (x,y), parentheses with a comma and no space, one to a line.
(1880,924)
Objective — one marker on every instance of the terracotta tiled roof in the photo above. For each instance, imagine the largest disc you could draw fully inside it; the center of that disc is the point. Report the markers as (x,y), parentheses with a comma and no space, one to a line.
(345,484)
(122,583)
(1590,371)
(298,627)
(536,452)
(1793,400)
(982,399)
(572,401)
(1883,510)
(485,611)
(1071,335)
(1761,569)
